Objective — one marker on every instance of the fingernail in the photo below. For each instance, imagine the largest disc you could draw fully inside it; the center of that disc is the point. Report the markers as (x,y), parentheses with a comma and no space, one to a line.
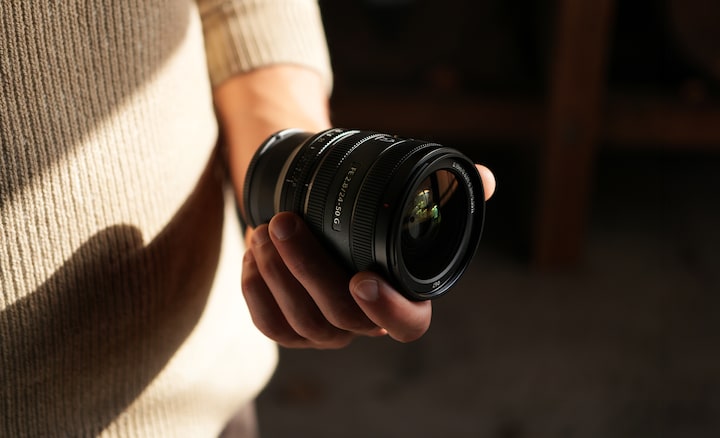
(367,290)
(283,226)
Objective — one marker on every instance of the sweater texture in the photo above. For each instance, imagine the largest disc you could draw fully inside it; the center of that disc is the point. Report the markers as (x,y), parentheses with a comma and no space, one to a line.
(121,312)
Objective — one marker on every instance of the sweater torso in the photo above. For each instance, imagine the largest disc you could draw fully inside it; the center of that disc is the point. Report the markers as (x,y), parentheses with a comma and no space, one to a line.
(120,303)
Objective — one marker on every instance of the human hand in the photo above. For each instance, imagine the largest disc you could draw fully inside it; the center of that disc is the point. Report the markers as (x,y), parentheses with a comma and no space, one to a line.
(300,296)
(297,293)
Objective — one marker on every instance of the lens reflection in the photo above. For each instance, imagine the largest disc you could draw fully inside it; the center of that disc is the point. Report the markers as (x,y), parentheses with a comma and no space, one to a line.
(424,216)
(433,225)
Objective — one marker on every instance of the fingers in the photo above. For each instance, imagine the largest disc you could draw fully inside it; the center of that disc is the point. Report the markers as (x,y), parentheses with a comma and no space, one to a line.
(264,310)
(319,273)
(279,305)
(297,294)
(488,180)
(404,320)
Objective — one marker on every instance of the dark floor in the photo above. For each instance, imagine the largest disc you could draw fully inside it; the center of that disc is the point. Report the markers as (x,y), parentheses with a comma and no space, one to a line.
(626,345)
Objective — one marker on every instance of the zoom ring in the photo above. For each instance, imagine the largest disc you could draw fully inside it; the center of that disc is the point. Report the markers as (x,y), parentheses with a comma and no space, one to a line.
(321,185)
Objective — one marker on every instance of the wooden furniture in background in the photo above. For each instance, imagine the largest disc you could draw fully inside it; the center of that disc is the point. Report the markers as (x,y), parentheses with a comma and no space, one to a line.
(577,113)
(575,98)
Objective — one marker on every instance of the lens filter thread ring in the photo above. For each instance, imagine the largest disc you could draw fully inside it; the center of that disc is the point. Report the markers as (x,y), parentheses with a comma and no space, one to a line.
(452,269)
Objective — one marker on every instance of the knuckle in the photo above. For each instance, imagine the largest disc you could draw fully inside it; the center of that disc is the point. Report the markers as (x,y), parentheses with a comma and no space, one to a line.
(317,332)
(351,321)
(249,283)
(321,332)
(279,334)
(270,265)
(304,266)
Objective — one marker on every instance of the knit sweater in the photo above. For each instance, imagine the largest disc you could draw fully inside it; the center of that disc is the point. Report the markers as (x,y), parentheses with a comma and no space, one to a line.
(120,304)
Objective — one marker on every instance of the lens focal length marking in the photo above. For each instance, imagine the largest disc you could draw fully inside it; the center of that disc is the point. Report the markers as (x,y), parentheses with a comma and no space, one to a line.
(337,220)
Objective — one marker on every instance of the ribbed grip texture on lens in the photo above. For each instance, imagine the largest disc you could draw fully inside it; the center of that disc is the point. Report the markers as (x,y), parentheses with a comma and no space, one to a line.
(321,187)
(366,211)
(368,203)
(299,174)
(323,179)
(316,207)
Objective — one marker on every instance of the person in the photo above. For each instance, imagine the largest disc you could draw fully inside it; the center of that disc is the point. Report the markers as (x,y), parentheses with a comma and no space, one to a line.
(120,304)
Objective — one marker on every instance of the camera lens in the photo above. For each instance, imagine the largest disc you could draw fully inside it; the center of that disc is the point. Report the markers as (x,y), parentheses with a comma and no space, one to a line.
(410,209)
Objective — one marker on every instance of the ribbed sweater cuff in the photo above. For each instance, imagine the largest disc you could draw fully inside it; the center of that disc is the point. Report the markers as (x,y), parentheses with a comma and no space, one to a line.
(241,35)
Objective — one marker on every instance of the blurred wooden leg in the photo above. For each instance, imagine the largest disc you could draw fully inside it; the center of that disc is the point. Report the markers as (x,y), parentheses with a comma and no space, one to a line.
(576,92)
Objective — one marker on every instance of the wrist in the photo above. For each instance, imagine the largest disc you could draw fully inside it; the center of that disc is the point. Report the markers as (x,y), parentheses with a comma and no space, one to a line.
(252,106)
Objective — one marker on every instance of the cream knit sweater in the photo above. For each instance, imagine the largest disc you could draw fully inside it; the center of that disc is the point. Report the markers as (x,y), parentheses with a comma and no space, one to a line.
(120,303)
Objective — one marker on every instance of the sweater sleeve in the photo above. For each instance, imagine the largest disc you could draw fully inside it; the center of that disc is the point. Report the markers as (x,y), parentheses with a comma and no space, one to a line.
(241,35)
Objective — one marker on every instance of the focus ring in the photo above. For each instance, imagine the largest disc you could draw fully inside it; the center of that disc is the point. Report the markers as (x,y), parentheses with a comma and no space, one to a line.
(301,167)
(368,205)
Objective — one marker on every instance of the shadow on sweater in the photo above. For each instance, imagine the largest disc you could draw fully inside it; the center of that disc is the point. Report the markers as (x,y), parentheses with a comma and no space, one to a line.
(78,351)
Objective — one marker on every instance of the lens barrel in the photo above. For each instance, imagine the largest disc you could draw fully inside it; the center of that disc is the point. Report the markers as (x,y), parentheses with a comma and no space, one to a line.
(410,209)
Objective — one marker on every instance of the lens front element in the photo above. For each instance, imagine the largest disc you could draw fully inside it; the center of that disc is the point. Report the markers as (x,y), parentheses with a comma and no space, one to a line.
(434,225)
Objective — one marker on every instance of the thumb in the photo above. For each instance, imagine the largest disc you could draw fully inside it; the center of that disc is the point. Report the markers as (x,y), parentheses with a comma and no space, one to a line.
(488,180)
(403,319)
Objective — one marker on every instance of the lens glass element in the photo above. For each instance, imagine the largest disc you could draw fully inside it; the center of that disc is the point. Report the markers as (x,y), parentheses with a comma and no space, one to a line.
(434,224)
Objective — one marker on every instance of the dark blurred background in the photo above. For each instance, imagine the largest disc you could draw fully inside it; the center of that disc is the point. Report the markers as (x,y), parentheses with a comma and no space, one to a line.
(593,306)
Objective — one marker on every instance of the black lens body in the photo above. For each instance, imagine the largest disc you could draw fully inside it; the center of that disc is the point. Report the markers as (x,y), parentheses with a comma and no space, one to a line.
(409,209)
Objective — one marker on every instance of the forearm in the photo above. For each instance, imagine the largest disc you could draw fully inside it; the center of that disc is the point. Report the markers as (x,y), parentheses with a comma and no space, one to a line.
(251,106)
